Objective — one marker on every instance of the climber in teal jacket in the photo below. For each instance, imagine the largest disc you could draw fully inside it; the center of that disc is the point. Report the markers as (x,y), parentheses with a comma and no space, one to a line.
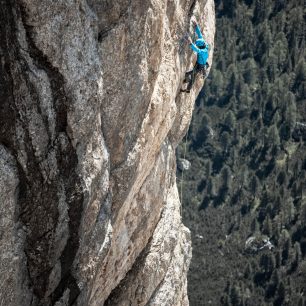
(202,49)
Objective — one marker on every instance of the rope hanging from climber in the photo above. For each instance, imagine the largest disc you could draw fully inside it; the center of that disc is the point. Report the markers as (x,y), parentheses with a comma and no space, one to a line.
(201,47)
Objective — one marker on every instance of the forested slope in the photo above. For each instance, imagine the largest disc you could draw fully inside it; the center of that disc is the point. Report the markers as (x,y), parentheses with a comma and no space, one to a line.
(244,197)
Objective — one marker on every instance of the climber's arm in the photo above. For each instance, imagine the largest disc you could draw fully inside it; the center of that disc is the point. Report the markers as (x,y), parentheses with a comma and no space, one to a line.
(194,48)
(192,45)
(198,31)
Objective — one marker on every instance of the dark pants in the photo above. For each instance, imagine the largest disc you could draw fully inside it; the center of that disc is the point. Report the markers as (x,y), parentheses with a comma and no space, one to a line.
(190,76)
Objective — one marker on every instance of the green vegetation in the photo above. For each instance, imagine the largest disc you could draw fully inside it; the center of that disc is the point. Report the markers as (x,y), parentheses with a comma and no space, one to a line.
(247,147)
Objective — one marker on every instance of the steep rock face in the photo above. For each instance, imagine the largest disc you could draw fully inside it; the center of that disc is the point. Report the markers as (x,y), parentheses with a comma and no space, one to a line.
(90,117)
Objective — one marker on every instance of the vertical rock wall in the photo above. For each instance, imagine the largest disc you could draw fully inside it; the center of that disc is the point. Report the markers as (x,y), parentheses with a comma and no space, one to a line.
(91,114)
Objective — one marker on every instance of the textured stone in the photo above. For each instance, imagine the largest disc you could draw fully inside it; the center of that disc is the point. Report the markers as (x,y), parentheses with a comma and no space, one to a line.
(91,116)
(13,276)
(183,164)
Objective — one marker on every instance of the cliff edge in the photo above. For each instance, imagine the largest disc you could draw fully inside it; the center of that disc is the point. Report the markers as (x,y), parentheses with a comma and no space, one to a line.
(91,113)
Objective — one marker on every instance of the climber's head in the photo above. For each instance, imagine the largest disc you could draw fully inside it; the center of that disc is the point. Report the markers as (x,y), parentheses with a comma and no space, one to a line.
(200,43)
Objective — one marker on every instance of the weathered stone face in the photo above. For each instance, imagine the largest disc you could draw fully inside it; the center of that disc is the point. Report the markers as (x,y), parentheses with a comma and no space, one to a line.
(91,113)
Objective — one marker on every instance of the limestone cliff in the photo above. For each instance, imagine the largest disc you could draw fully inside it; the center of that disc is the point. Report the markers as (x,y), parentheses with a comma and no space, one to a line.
(91,114)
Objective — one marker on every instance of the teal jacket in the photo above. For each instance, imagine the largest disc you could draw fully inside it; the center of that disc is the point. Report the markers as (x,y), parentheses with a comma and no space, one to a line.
(202,53)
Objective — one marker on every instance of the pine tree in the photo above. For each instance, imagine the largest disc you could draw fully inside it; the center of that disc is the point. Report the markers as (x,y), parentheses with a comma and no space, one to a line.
(281,294)
(235,296)
(254,184)
(248,272)
(300,80)
(273,135)
(250,73)
(225,140)
(298,252)
(208,169)
(230,120)
(267,226)
(291,110)
(211,188)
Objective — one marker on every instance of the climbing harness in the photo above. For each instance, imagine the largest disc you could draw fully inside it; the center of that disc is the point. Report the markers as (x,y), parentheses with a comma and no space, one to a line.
(204,70)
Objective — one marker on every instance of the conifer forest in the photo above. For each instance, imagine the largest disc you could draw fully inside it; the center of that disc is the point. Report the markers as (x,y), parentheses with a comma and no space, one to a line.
(244,196)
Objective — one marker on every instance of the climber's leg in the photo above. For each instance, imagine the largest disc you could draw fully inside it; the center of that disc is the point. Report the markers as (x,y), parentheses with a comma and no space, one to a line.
(188,75)
(205,71)
(192,78)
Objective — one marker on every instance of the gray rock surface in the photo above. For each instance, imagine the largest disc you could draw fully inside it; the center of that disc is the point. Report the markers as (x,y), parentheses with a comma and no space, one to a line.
(183,164)
(13,274)
(90,117)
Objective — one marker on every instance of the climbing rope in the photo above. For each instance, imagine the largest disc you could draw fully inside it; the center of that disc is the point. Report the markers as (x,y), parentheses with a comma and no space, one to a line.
(182,175)
(185,143)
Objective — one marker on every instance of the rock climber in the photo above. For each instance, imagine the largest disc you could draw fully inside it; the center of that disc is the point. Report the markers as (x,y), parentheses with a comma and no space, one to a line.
(201,47)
